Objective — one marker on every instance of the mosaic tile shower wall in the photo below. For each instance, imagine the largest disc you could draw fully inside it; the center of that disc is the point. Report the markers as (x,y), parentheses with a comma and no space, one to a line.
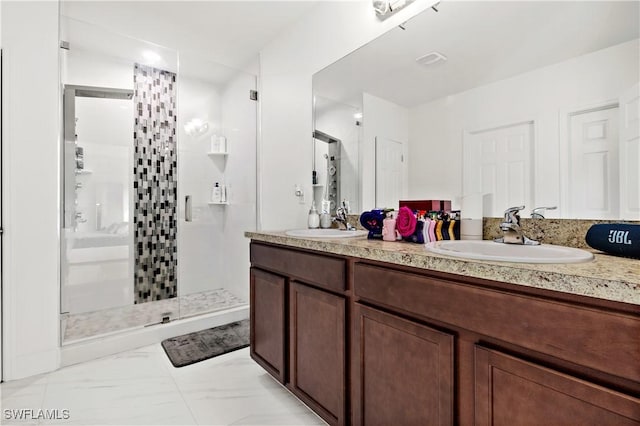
(154,185)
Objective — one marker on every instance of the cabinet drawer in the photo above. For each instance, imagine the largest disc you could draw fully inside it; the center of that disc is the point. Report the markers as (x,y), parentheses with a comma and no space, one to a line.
(603,340)
(324,271)
(511,391)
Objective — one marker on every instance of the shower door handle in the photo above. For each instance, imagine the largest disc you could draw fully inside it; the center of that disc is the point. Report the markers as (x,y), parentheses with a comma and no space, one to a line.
(187,208)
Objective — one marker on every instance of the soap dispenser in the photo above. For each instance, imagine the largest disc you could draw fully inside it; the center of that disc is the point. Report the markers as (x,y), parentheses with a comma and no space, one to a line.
(216,194)
(325,217)
(314,217)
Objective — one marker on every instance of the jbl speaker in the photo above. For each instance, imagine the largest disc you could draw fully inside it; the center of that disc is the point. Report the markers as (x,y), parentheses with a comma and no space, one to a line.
(621,239)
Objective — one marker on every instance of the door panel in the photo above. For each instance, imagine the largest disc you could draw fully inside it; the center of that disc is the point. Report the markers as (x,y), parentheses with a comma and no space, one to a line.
(594,174)
(317,350)
(389,172)
(498,164)
(630,154)
(267,292)
(511,392)
(403,371)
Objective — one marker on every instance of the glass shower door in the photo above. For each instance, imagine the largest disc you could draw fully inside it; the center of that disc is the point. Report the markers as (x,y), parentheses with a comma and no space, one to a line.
(118,238)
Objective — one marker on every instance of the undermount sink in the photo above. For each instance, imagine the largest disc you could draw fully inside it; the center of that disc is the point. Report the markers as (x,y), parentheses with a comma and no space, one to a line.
(490,250)
(325,233)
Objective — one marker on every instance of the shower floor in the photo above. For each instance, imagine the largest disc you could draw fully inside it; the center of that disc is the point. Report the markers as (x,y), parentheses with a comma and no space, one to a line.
(90,324)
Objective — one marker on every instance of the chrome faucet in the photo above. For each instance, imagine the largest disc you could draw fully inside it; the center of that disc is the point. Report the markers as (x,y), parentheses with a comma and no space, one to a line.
(341,217)
(511,230)
(537,213)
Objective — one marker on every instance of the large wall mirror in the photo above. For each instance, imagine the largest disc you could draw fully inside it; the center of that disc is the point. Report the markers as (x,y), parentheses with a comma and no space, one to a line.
(490,105)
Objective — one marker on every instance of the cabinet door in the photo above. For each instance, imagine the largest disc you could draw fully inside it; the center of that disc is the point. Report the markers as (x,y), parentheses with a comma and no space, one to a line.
(317,350)
(402,371)
(267,293)
(511,391)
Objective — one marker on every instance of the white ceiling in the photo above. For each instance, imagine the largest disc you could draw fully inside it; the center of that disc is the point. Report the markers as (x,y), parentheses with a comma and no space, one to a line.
(484,42)
(228,32)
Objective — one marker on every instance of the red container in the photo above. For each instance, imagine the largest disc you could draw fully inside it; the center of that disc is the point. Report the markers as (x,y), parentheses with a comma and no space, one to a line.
(428,205)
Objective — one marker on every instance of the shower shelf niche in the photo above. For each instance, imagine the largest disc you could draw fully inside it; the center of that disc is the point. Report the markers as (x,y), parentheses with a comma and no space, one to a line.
(221,153)
(211,203)
(84,172)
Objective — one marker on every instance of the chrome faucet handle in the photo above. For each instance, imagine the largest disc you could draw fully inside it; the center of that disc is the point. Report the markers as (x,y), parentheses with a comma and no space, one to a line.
(537,213)
(512,233)
(341,216)
(511,215)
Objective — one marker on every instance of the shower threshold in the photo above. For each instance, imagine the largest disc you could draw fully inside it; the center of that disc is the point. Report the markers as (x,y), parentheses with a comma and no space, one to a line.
(91,348)
(88,325)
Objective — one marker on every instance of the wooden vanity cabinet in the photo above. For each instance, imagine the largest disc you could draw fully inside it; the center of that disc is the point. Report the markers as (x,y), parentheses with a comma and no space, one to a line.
(370,343)
(302,294)
(519,358)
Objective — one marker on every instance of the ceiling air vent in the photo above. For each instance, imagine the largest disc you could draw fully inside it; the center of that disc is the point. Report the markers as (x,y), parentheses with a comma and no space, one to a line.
(431,59)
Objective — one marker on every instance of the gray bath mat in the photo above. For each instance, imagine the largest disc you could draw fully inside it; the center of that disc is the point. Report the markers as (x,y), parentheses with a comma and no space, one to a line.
(205,344)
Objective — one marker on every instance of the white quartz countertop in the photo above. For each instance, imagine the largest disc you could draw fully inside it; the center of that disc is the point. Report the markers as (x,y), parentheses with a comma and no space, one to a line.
(606,277)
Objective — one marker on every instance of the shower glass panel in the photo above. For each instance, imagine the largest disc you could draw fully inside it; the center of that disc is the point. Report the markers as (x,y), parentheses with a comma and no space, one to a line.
(117,195)
(217,133)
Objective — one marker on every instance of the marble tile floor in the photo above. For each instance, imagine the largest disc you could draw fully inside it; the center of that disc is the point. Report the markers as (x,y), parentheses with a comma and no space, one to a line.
(89,324)
(141,387)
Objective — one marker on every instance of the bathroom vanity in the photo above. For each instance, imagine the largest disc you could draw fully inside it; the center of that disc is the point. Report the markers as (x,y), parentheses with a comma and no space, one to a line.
(366,332)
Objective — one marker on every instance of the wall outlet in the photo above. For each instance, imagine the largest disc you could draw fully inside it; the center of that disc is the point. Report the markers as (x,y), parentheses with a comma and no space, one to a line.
(299,192)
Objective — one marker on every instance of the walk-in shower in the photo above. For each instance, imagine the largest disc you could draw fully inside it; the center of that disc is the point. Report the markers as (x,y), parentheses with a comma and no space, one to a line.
(134,253)
(332,181)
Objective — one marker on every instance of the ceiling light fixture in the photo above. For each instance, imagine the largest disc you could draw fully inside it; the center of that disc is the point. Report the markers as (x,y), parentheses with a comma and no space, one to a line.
(386,8)
(151,57)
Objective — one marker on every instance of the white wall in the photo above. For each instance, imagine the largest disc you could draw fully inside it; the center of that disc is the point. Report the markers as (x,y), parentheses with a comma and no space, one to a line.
(84,68)
(31,191)
(540,95)
(327,33)
(382,119)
